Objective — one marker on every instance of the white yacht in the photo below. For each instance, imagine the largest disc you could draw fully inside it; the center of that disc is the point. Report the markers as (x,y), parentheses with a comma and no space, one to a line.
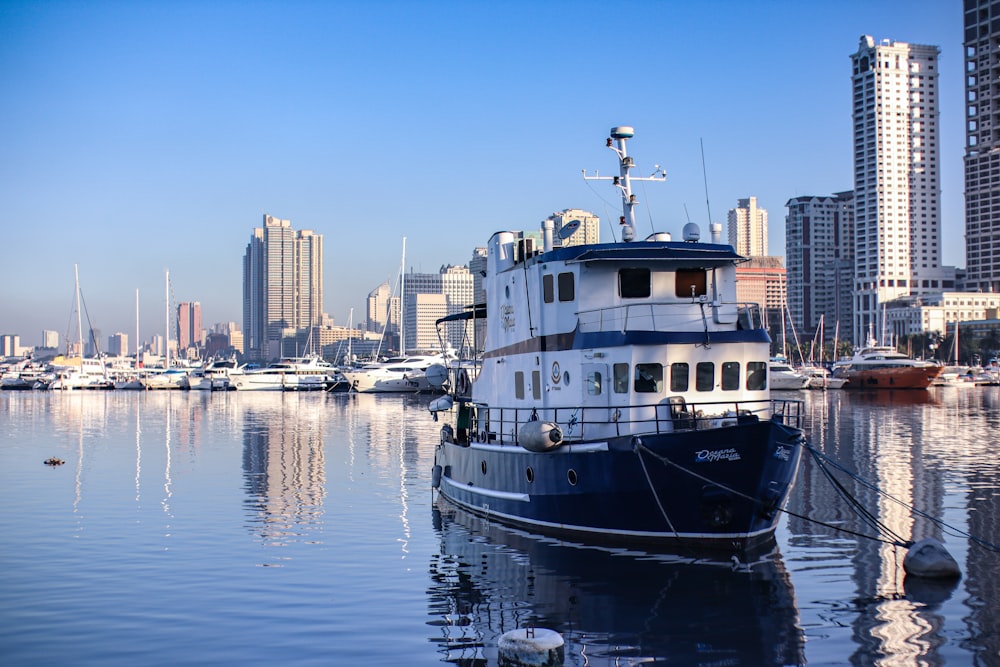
(165,378)
(80,373)
(783,376)
(295,374)
(215,376)
(399,374)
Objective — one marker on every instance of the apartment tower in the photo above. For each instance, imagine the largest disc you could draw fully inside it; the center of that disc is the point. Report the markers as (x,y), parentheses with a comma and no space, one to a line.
(819,254)
(748,228)
(897,222)
(982,145)
(282,289)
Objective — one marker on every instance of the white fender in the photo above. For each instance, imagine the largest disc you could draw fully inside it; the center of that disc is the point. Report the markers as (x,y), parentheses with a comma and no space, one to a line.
(441,404)
(539,436)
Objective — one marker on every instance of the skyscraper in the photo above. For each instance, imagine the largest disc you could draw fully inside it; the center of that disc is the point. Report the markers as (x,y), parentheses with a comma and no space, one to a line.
(188,325)
(748,228)
(819,252)
(982,146)
(588,232)
(897,221)
(282,289)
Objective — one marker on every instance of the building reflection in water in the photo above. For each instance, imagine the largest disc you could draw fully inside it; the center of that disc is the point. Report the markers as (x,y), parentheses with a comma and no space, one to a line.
(283,465)
(612,607)
(926,449)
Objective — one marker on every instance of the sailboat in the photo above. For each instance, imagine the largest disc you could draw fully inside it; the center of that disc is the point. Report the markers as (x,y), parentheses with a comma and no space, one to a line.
(166,377)
(79,371)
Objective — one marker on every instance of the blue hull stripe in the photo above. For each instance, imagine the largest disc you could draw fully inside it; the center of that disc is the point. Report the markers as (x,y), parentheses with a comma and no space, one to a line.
(576,340)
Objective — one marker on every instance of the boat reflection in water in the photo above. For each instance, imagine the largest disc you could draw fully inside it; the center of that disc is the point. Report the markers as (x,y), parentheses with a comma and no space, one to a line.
(612,607)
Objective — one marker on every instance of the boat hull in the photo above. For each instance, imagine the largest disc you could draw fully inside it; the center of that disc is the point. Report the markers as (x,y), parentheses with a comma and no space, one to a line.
(719,487)
(903,377)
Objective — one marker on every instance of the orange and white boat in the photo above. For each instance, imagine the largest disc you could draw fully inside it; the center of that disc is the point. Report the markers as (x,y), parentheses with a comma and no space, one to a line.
(882,367)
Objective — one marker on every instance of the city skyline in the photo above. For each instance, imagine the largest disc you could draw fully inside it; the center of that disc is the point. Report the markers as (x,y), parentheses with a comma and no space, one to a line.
(152,137)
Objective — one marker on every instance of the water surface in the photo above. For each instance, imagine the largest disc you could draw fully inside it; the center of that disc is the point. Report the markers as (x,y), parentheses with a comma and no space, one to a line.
(197,528)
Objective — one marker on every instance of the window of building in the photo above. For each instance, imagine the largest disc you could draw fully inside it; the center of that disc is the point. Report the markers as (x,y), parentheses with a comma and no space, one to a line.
(648,378)
(633,283)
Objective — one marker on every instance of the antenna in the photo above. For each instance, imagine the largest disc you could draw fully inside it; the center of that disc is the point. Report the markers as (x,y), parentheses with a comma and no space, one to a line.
(704,174)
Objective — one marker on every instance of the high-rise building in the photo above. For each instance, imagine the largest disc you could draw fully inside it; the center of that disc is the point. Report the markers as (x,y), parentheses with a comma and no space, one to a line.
(588,232)
(748,228)
(93,345)
(118,344)
(982,146)
(819,256)
(50,339)
(188,325)
(282,288)
(455,286)
(383,310)
(897,221)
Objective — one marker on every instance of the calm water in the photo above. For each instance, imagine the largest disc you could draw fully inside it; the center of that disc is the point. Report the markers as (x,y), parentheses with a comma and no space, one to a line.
(193,528)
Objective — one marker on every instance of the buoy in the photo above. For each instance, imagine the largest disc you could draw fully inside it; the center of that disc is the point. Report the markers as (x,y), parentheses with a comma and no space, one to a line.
(928,558)
(442,404)
(531,647)
(54,462)
(539,436)
(435,476)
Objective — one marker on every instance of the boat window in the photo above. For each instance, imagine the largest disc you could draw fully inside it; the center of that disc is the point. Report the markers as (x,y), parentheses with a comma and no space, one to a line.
(519,384)
(621,378)
(756,376)
(548,288)
(705,376)
(679,377)
(691,282)
(649,378)
(566,287)
(633,283)
(594,383)
(730,376)
(536,385)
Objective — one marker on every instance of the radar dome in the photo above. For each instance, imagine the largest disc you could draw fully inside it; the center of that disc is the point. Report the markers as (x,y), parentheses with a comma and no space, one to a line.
(691,232)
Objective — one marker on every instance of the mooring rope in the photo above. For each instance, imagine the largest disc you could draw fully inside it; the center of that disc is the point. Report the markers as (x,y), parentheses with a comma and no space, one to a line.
(822,459)
(649,480)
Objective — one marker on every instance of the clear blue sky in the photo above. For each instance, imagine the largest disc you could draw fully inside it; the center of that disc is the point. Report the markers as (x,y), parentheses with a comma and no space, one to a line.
(137,137)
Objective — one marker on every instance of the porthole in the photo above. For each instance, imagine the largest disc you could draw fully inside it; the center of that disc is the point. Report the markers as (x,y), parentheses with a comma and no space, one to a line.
(482,466)
(566,378)
(529,474)
(571,476)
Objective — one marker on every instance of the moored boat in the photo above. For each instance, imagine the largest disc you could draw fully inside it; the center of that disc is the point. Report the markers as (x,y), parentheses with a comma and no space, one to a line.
(623,394)
(783,376)
(406,374)
(294,374)
(882,367)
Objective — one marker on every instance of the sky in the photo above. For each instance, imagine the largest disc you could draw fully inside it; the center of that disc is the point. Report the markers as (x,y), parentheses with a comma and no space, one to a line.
(138,138)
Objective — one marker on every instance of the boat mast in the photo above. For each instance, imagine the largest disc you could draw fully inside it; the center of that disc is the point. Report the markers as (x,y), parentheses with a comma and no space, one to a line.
(623,181)
(137,327)
(79,316)
(166,324)
(402,302)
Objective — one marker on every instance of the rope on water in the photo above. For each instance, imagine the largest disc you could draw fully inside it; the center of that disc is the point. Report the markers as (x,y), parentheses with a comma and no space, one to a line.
(823,460)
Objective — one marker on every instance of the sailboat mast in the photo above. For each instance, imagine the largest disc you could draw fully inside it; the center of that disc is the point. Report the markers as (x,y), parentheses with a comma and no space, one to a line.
(402,302)
(137,327)
(166,322)
(79,316)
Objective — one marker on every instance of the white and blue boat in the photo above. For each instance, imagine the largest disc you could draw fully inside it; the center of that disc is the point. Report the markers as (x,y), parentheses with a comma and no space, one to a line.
(623,392)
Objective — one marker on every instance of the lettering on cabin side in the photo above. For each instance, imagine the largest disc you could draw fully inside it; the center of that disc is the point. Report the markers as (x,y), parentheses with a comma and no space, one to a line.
(507,316)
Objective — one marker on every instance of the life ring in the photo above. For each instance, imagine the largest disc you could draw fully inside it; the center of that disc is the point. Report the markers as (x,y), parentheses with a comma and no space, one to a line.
(462,382)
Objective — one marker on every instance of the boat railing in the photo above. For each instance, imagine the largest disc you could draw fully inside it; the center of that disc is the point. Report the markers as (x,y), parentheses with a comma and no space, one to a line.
(665,315)
(580,423)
